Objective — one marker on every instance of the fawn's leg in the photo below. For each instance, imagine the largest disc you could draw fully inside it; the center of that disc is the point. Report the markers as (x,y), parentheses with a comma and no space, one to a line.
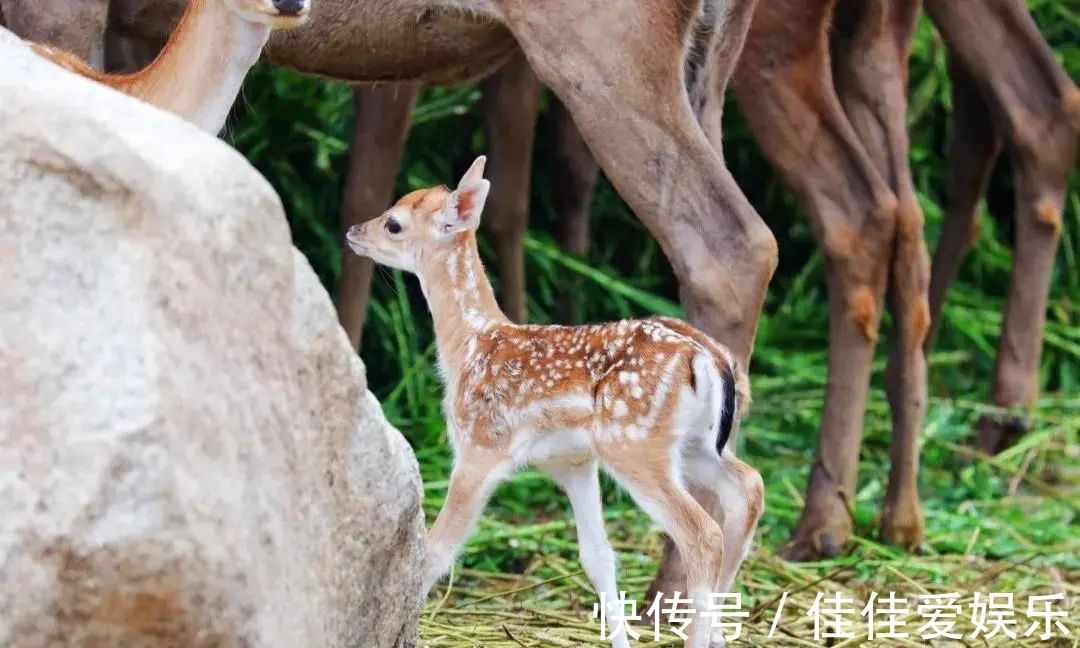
(476,474)
(974,146)
(651,477)
(739,493)
(872,47)
(383,117)
(785,91)
(582,486)
(573,180)
(624,87)
(1036,108)
(511,100)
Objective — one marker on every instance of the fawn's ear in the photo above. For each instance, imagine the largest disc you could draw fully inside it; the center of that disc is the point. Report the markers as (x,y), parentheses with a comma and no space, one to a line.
(463,207)
(475,172)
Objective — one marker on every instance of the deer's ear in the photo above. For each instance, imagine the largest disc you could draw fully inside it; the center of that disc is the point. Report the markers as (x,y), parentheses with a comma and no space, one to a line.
(475,173)
(463,207)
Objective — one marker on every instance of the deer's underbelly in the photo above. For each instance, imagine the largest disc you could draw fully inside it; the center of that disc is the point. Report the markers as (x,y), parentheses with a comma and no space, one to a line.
(569,446)
(392,42)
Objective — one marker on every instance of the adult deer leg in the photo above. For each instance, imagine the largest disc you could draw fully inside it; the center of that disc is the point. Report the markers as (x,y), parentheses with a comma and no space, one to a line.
(383,117)
(625,89)
(974,145)
(785,91)
(511,100)
(871,78)
(717,47)
(1036,107)
(573,181)
(626,94)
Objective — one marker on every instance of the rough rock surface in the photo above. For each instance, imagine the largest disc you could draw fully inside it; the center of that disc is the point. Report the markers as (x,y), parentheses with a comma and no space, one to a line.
(189,455)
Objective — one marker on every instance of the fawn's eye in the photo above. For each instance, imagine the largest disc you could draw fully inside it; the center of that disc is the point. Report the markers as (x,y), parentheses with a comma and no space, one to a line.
(393,226)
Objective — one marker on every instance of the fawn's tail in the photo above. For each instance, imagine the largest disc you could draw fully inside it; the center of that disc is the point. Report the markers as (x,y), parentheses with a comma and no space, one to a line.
(718,380)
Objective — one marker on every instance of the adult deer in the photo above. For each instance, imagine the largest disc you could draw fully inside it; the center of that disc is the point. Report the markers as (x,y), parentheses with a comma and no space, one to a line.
(202,66)
(625,73)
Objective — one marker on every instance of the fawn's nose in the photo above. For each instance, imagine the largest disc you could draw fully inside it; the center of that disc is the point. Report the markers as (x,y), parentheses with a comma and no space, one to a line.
(290,7)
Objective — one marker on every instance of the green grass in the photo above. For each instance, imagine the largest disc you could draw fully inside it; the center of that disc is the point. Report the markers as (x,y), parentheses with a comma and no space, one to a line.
(1010,524)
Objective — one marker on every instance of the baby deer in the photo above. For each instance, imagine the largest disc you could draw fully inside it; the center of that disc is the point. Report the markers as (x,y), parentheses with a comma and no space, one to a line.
(651,400)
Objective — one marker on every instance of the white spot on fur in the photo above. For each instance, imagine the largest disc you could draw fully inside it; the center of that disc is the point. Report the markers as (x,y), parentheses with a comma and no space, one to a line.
(619,409)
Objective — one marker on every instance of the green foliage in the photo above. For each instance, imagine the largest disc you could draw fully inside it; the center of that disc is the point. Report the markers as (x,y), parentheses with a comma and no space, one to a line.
(296,131)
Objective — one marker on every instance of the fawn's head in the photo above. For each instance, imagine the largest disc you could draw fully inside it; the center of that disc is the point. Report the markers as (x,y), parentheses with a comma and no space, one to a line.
(423,222)
(277,14)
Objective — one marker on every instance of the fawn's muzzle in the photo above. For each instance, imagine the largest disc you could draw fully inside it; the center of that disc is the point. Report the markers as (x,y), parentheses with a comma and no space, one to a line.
(355,233)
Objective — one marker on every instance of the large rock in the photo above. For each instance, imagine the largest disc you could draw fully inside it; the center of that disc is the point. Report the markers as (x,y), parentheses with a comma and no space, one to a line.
(189,455)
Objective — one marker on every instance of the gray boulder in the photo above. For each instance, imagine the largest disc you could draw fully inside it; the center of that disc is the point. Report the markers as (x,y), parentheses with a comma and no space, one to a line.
(189,454)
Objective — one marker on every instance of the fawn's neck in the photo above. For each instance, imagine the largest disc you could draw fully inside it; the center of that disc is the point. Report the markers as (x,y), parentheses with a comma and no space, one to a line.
(199,72)
(461,300)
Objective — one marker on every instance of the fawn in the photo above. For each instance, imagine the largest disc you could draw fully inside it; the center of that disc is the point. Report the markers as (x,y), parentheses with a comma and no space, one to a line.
(651,400)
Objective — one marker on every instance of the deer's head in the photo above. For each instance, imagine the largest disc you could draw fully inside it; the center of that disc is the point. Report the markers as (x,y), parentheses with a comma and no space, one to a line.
(277,14)
(423,223)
